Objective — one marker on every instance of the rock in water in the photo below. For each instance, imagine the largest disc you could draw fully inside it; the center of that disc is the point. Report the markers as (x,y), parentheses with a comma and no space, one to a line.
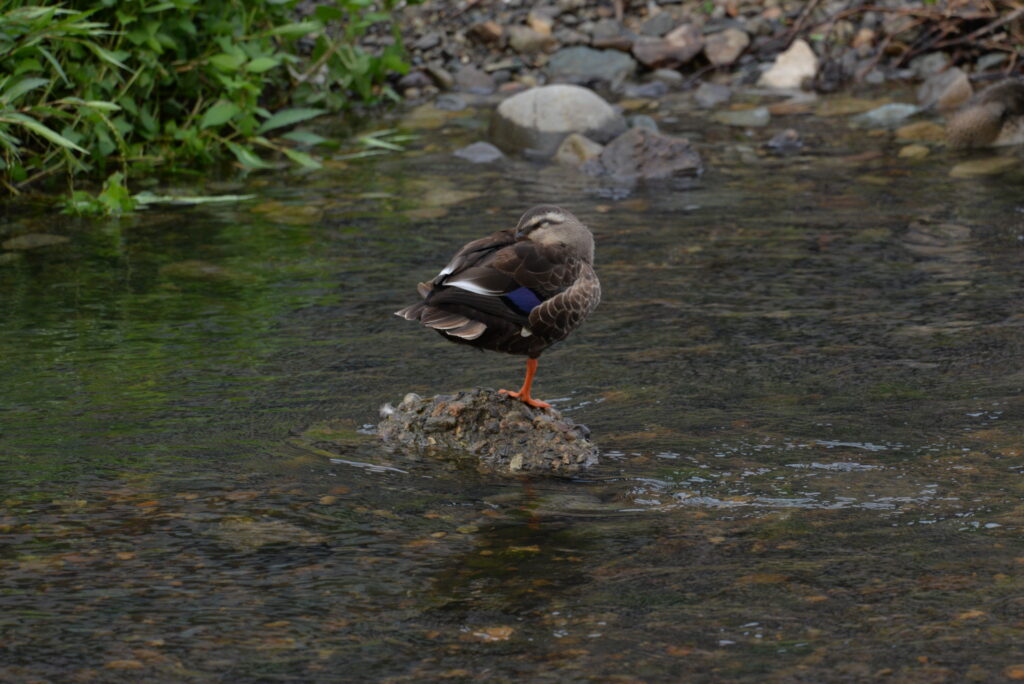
(540,118)
(492,431)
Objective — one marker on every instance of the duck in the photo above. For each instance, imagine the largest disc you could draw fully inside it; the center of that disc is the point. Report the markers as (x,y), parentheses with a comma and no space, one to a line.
(517,291)
(995,116)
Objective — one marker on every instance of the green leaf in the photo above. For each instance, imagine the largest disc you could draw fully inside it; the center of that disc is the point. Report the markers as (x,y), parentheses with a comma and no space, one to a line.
(287,117)
(20,88)
(261,64)
(41,130)
(305,137)
(220,113)
(296,29)
(115,196)
(371,141)
(105,55)
(302,158)
(28,64)
(101,105)
(226,62)
(247,157)
(146,198)
(54,63)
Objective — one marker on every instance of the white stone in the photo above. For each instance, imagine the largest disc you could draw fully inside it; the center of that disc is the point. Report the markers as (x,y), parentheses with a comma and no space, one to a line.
(792,67)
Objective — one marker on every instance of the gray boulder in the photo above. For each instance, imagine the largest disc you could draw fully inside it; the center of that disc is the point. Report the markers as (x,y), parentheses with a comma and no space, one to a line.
(641,153)
(539,119)
(581,64)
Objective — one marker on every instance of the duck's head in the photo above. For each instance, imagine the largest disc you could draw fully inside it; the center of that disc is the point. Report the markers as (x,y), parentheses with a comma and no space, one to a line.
(553,226)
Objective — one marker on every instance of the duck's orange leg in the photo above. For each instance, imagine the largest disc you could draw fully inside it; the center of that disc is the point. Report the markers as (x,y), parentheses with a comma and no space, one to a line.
(523,394)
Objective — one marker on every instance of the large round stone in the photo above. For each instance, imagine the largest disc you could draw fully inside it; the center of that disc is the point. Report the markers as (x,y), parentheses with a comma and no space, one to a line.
(540,118)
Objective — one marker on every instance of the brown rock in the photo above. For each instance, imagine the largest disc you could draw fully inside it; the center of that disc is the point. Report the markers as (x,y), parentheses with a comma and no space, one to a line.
(623,43)
(486,32)
(976,168)
(914,151)
(527,41)
(926,131)
(678,47)
(541,20)
(725,47)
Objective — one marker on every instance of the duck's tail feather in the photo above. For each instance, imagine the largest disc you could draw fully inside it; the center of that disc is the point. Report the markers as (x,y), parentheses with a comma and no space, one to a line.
(450,323)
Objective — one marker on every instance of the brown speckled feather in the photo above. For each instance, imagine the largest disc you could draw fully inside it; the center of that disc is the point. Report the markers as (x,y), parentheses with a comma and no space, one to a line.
(515,291)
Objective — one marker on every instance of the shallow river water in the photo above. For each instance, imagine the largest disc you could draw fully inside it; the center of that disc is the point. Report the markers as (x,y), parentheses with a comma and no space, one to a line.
(805,381)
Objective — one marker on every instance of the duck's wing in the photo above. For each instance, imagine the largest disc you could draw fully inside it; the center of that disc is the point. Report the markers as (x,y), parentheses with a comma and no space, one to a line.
(474,253)
(464,299)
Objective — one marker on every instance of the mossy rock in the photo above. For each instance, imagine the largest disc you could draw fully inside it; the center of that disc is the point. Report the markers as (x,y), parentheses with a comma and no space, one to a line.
(491,431)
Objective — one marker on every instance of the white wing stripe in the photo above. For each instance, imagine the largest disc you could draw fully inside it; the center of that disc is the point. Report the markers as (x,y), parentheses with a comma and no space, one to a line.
(470,286)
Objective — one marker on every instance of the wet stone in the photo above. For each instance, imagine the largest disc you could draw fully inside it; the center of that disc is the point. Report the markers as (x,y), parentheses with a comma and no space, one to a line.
(450,102)
(651,89)
(915,151)
(479,153)
(540,118)
(645,154)
(709,95)
(577,149)
(643,121)
(976,168)
(749,118)
(490,431)
(785,142)
(888,115)
(926,131)
(33,241)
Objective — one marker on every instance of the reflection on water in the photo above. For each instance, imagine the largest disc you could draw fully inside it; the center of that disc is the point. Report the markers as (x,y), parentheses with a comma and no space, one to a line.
(805,379)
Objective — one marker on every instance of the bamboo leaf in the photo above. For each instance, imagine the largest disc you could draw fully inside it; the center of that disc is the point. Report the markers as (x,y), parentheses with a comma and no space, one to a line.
(287,117)
(101,105)
(296,29)
(226,62)
(305,137)
(220,113)
(105,55)
(41,130)
(302,158)
(261,64)
(20,88)
(370,141)
(247,157)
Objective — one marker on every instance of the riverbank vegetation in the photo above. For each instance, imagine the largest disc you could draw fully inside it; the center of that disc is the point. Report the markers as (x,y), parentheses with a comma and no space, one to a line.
(113,89)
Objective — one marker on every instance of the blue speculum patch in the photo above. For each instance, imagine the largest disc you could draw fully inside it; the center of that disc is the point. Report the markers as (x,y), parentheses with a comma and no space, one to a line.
(523,298)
